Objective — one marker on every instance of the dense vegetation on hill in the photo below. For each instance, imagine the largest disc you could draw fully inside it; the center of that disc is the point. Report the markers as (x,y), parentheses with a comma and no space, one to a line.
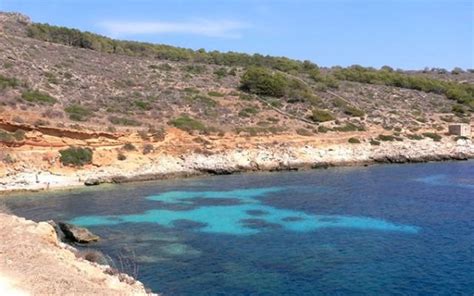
(462,93)
(73,37)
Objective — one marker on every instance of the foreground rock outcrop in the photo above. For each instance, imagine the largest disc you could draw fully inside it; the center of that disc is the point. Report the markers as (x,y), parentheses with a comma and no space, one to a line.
(34,262)
(77,234)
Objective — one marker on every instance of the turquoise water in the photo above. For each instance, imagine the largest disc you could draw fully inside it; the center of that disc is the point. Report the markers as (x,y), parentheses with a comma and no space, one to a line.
(380,230)
(241,218)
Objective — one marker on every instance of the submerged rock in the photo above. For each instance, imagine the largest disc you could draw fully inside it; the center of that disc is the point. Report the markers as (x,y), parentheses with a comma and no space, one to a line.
(77,234)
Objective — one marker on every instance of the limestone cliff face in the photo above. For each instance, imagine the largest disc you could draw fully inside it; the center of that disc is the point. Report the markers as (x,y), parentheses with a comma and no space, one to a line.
(263,157)
(36,263)
(271,158)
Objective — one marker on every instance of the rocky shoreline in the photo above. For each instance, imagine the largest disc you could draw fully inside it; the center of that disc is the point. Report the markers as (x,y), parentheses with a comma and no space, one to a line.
(276,157)
(35,262)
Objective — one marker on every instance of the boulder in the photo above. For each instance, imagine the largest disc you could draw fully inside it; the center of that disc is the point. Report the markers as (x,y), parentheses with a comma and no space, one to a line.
(77,234)
(92,182)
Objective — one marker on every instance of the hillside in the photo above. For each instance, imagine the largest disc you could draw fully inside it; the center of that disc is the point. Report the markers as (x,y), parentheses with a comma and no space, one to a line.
(134,102)
(107,91)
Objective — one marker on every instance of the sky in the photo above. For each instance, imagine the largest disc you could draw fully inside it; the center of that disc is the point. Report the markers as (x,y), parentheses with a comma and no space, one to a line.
(406,34)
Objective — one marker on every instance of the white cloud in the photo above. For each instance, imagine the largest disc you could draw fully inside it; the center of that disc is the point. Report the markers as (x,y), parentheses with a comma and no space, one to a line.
(209,28)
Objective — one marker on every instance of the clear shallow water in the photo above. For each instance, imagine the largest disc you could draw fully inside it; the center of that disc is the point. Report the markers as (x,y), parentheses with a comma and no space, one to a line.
(398,229)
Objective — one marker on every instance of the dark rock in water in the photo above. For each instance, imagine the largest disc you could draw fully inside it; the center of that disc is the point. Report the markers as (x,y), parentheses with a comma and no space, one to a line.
(321,165)
(460,156)
(395,159)
(421,158)
(218,171)
(77,234)
(92,182)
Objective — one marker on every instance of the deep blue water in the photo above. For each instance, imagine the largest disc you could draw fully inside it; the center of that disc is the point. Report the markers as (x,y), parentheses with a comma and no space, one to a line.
(378,230)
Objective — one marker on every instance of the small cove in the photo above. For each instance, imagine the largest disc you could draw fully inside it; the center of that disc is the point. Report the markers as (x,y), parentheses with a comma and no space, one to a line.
(382,229)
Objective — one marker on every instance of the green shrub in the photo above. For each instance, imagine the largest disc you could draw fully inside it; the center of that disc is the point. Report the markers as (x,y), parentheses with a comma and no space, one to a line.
(76,156)
(261,81)
(321,115)
(414,137)
(215,94)
(195,69)
(323,129)
(246,97)
(163,67)
(248,112)
(35,96)
(257,130)
(374,142)
(191,90)
(51,77)
(275,103)
(19,135)
(204,100)
(78,112)
(221,72)
(8,137)
(188,124)
(6,82)
(386,138)
(433,136)
(354,141)
(325,81)
(124,121)
(353,111)
(142,105)
(458,109)
(128,147)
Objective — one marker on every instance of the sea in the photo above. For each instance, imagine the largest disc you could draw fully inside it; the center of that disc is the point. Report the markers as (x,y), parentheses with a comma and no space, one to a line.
(403,229)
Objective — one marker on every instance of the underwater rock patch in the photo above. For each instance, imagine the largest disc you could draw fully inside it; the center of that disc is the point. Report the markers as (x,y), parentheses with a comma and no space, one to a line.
(259,224)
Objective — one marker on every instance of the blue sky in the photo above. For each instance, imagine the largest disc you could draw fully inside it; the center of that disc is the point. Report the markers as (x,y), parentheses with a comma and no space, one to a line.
(408,34)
